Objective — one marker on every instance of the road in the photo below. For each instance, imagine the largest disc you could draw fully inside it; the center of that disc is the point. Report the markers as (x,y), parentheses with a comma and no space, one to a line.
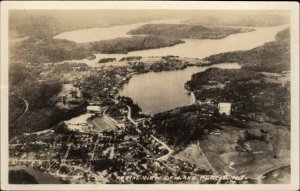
(259,178)
(93,152)
(129,116)
(214,170)
(25,110)
(112,152)
(40,132)
(170,151)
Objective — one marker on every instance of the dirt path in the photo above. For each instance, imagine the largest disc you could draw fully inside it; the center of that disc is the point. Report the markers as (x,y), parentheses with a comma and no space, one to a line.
(259,178)
(214,170)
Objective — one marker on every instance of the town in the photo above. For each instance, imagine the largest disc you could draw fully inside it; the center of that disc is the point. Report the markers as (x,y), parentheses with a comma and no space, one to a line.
(206,103)
(112,139)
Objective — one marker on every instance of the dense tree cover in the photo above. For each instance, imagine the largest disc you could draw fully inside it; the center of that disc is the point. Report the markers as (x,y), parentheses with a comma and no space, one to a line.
(41,98)
(248,92)
(283,35)
(221,76)
(186,31)
(135,108)
(123,45)
(258,101)
(130,58)
(270,57)
(48,50)
(54,50)
(39,95)
(104,60)
(181,126)
(41,119)
(21,177)
(19,107)
(17,73)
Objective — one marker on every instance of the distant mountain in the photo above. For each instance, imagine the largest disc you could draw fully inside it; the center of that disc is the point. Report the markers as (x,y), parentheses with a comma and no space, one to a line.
(246,20)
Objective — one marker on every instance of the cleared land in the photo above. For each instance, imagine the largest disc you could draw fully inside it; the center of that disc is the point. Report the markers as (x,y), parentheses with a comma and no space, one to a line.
(103,124)
(191,153)
(248,151)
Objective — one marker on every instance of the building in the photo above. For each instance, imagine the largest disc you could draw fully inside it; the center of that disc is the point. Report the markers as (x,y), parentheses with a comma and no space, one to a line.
(224,108)
(93,109)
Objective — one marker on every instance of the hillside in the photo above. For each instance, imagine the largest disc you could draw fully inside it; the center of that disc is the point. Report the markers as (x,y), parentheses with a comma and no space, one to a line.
(41,97)
(270,57)
(245,19)
(221,76)
(125,45)
(186,31)
(55,50)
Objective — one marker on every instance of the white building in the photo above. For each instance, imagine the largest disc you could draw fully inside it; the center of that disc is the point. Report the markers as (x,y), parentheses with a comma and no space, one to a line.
(224,108)
(93,109)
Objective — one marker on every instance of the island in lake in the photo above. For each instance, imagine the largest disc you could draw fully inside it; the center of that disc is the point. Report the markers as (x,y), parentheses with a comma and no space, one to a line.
(151,98)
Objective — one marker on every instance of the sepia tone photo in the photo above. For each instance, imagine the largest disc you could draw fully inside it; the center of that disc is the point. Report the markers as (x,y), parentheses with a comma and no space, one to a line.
(149,96)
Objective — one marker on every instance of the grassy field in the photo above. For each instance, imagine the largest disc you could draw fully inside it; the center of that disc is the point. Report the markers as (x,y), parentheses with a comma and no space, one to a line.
(273,146)
(279,176)
(193,155)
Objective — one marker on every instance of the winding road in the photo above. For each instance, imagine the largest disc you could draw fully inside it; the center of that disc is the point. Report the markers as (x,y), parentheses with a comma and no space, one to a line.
(260,177)
(170,151)
(25,110)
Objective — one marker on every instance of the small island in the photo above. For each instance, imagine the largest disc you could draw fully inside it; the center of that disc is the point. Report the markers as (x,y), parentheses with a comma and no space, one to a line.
(187,31)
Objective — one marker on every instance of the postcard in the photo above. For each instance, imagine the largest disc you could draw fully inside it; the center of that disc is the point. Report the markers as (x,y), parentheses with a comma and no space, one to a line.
(139,95)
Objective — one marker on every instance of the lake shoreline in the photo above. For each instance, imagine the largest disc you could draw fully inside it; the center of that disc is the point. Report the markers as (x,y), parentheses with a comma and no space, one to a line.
(183,89)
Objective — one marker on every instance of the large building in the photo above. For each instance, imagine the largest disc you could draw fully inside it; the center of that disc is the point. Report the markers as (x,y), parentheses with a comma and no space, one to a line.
(93,109)
(224,108)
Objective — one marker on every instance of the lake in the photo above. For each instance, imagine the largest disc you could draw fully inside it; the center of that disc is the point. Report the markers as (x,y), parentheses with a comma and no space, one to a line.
(41,177)
(156,92)
(192,48)
(106,33)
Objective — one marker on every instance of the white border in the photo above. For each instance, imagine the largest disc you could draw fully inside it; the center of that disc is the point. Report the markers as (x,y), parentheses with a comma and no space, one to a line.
(293,7)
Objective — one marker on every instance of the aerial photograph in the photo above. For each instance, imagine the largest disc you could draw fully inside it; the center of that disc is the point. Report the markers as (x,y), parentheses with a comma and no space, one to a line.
(149,96)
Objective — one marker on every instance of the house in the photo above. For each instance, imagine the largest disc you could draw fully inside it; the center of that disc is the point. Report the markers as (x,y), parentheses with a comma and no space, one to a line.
(224,108)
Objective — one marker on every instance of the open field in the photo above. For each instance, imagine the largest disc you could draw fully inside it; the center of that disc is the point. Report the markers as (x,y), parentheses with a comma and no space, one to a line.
(192,154)
(102,124)
(247,151)
(279,176)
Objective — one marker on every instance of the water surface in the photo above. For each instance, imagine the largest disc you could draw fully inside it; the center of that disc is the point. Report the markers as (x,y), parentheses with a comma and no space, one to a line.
(41,177)
(192,48)
(156,92)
